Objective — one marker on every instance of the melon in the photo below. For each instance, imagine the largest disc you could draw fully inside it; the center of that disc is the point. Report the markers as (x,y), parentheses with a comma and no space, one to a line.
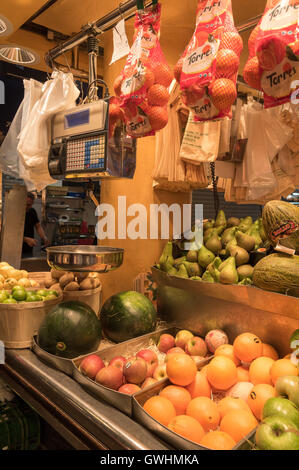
(127,315)
(281,224)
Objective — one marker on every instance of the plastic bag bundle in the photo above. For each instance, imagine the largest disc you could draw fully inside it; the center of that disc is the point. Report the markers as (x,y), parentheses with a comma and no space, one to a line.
(143,84)
(207,71)
(273,64)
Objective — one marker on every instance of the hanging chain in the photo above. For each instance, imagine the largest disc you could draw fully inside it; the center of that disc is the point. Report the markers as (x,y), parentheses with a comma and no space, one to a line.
(215,190)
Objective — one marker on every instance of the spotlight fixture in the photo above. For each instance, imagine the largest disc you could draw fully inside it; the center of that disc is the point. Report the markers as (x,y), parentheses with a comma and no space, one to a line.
(17,55)
(5,26)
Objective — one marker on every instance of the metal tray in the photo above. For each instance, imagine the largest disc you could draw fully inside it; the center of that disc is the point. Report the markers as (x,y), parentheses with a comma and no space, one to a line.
(119,400)
(174,439)
(60,363)
(85,258)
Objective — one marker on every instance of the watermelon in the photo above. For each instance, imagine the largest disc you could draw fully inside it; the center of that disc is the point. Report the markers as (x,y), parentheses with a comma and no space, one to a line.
(127,315)
(281,224)
(70,329)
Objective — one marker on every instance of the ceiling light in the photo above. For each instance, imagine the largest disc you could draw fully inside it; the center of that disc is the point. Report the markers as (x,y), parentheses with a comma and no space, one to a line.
(5,26)
(17,55)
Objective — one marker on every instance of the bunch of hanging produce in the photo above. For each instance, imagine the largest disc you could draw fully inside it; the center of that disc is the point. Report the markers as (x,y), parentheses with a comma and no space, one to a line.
(142,87)
(208,69)
(273,64)
(225,253)
(281,223)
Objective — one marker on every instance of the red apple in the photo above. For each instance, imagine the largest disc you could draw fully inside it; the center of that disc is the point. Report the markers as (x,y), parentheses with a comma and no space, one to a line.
(182,337)
(110,377)
(165,342)
(148,381)
(174,351)
(150,358)
(135,370)
(196,346)
(129,389)
(160,372)
(91,365)
(118,361)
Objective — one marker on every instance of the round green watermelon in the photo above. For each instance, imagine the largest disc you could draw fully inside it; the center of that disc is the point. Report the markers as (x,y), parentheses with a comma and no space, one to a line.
(69,330)
(127,315)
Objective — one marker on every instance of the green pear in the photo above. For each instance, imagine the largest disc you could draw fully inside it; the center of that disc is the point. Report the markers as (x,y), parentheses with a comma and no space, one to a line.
(166,256)
(262,231)
(223,264)
(196,278)
(209,224)
(246,282)
(220,219)
(179,261)
(182,272)
(223,253)
(192,256)
(245,224)
(254,232)
(193,269)
(229,275)
(214,272)
(217,262)
(241,255)
(213,243)
(171,270)
(288,387)
(205,257)
(245,241)
(207,277)
(233,222)
(245,271)
(228,236)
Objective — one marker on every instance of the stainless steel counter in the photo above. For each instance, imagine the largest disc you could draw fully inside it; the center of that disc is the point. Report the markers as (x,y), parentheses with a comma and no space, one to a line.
(83,421)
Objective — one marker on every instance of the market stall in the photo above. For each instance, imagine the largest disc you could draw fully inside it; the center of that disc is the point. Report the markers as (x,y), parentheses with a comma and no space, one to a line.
(176,332)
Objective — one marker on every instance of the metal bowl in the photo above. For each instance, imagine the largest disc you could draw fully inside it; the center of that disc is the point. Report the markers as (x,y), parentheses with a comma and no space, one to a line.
(100,259)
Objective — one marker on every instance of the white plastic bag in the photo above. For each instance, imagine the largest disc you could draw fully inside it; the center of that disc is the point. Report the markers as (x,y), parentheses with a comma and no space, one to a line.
(58,94)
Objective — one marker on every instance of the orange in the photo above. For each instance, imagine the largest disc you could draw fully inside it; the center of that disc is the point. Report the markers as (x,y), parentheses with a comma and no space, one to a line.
(158,117)
(282,367)
(181,369)
(204,370)
(163,74)
(227,63)
(228,404)
(269,351)
(223,93)
(200,386)
(232,40)
(187,427)
(251,73)
(160,408)
(217,440)
(179,397)
(258,397)
(259,370)
(205,411)
(157,95)
(238,424)
(252,38)
(247,347)
(228,351)
(243,374)
(148,78)
(222,372)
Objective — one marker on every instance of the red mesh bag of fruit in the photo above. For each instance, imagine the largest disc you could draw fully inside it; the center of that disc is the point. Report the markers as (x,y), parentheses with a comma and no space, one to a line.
(142,87)
(207,71)
(273,64)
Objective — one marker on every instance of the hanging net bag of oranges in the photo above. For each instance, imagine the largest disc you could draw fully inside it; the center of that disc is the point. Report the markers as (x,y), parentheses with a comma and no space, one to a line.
(208,69)
(273,64)
(142,87)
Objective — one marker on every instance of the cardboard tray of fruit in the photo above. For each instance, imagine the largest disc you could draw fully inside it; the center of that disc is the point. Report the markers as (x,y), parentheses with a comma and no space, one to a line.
(125,353)
(63,364)
(165,433)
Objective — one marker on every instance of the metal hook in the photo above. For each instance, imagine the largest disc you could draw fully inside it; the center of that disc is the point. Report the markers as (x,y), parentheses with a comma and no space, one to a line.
(67,63)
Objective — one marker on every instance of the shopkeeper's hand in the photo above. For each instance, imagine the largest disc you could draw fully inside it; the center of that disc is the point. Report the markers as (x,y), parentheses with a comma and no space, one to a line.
(30,241)
(46,242)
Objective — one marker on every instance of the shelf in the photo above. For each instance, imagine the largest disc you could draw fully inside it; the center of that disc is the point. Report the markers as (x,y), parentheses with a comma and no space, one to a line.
(66,197)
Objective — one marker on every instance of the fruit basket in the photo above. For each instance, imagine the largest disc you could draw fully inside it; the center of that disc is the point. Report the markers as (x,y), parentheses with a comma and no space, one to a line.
(119,400)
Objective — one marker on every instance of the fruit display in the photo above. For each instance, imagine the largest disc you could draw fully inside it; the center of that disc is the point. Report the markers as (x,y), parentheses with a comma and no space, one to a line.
(70,329)
(64,281)
(223,257)
(220,408)
(207,70)
(11,277)
(273,53)
(19,294)
(281,224)
(142,87)
(126,315)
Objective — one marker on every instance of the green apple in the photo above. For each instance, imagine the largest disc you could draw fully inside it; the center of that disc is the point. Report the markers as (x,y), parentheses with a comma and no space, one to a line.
(277,433)
(3,297)
(9,301)
(52,292)
(42,292)
(288,387)
(19,294)
(282,407)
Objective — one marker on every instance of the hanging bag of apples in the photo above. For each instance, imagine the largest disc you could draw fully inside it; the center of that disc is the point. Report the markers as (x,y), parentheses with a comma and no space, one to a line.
(273,64)
(208,69)
(142,87)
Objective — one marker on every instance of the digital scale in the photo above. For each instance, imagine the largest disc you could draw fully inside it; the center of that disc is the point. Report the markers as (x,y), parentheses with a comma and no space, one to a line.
(79,143)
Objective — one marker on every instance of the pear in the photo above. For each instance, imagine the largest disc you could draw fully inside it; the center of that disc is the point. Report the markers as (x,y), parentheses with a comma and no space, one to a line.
(223,253)
(179,261)
(241,255)
(233,222)
(220,219)
(209,224)
(229,274)
(245,224)
(254,232)
(166,256)
(217,262)
(223,264)
(214,272)
(207,277)
(245,271)
(228,236)
(182,272)
(246,282)
(196,278)
(231,244)
(245,241)
(214,243)
(205,257)
(193,269)
(192,256)
(171,270)
(262,232)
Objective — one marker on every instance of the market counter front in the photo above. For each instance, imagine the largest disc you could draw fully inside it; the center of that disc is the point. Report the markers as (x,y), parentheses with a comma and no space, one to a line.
(83,421)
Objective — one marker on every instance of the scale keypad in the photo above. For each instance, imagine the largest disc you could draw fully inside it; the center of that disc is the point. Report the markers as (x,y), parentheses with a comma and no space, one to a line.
(86,154)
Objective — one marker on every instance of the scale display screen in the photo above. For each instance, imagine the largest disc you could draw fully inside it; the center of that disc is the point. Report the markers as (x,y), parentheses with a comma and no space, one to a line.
(76,119)
(87,153)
